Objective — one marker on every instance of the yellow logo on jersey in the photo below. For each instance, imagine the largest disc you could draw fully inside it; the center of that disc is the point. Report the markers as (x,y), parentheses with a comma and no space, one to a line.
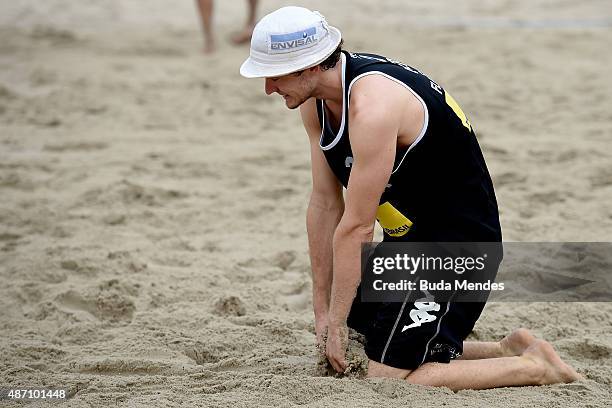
(393,222)
(450,101)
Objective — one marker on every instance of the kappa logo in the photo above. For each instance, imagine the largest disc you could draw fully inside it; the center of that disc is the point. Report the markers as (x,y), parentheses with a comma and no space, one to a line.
(420,314)
(282,43)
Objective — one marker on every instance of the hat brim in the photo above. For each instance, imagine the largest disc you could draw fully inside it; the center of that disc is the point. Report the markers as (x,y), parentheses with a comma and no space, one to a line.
(254,69)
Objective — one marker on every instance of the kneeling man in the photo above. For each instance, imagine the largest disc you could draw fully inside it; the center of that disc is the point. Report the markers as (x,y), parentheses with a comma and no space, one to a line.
(408,157)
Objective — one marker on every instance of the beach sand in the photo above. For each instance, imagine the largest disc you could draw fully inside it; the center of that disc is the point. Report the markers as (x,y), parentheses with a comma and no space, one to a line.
(153,245)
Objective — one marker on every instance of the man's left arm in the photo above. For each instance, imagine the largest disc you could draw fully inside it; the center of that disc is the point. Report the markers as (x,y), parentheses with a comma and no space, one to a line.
(373,135)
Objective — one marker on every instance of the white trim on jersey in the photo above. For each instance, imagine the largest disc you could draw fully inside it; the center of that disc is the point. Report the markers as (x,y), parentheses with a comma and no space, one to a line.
(341,130)
(425,120)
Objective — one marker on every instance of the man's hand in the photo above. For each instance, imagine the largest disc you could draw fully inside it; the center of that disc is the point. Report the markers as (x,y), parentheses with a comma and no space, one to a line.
(335,349)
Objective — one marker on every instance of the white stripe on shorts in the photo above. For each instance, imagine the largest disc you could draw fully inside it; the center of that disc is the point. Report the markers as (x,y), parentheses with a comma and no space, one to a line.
(399,315)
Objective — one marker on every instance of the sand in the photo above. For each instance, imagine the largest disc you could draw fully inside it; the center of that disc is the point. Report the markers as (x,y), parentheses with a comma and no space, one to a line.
(152,223)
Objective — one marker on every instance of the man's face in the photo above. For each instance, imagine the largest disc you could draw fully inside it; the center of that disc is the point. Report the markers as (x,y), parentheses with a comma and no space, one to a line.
(295,88)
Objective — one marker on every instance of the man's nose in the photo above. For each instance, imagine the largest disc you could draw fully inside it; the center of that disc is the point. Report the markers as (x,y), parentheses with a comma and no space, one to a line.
(270,87)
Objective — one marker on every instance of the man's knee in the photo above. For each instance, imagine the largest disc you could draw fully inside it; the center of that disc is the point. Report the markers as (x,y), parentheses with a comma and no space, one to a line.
(427,374)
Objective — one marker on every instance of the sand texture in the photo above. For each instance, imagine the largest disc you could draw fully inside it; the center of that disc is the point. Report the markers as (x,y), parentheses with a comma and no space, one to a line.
(153,244)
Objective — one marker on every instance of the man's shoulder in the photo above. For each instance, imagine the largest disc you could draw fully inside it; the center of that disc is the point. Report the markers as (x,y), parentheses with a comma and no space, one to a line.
(376,94)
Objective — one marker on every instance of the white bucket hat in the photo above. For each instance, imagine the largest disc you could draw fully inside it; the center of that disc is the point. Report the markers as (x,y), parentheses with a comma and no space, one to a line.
(288,40)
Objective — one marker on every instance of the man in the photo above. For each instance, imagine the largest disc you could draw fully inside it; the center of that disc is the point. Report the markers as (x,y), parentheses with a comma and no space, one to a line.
(408,157)
(205,8)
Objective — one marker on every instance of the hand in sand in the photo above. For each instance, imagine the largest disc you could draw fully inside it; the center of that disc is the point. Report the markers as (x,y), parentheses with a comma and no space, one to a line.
(335,348)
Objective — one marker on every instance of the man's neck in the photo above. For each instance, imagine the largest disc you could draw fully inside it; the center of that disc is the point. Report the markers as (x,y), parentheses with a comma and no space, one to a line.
(330,85)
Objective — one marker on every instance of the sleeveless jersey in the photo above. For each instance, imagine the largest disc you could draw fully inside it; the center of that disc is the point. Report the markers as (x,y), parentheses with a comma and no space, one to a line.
(440,188)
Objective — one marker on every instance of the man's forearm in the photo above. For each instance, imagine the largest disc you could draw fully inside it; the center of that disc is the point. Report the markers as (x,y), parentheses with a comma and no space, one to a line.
(347,270)
(321,222)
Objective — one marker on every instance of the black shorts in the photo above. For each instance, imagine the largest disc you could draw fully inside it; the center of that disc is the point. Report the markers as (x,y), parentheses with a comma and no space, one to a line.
(394,338)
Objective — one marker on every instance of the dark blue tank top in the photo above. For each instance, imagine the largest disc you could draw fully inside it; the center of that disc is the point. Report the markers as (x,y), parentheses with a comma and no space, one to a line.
(440,188)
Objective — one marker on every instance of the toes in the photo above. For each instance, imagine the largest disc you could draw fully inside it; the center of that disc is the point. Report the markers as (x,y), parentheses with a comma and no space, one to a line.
(517,342)
(524,335)
(561,371)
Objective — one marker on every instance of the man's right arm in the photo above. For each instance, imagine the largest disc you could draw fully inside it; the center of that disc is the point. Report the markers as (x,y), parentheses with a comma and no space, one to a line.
(325,209)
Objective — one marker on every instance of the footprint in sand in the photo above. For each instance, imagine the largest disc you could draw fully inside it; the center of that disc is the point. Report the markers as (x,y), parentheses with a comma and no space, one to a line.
(109,301)
(297,302)
(229,306)
(80,267)
(202,354)
(588,349)
(73,303)
(284,259)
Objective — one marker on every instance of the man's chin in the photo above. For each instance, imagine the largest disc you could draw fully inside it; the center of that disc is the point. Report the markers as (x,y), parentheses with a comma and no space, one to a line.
(293,105)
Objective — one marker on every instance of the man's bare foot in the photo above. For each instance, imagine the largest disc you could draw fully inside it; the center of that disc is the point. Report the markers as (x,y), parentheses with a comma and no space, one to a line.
(552,370)
(209,47)
(242,37)
(516,342)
